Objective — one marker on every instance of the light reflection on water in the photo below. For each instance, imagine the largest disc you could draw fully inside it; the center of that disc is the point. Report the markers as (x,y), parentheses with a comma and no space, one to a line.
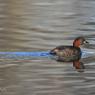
(35,25)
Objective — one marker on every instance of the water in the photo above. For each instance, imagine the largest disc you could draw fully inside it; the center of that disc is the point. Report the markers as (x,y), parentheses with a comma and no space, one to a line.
(40,25)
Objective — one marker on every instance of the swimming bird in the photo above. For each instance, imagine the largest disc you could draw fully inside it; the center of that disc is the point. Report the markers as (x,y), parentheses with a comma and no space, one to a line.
(70,53)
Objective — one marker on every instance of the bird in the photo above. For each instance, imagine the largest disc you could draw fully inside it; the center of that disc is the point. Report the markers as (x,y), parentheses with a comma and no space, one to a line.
(70,53)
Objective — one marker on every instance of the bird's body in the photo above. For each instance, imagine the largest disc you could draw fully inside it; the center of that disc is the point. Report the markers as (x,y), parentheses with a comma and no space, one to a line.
(66,53)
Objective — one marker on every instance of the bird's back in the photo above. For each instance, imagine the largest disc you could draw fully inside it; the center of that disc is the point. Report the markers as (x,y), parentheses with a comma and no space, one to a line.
(66,53)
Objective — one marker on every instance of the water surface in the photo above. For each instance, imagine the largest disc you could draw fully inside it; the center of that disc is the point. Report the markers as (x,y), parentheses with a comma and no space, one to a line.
(40,25)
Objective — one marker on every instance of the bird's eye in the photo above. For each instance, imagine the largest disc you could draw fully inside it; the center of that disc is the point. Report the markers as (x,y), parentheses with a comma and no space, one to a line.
(85,42)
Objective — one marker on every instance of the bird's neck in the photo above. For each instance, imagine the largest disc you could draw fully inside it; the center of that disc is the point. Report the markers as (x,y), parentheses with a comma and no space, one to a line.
(76,43)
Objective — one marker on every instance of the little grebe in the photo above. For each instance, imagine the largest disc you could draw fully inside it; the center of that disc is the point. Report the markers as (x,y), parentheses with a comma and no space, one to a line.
(70,53)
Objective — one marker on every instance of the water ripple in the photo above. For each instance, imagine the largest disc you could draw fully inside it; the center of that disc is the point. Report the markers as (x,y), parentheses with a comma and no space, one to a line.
(40,25)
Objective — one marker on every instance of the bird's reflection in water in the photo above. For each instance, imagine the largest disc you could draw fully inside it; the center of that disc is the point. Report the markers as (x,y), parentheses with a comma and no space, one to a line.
(79,66)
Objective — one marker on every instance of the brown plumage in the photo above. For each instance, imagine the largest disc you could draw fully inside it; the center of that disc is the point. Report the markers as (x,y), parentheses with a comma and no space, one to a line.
(66,53)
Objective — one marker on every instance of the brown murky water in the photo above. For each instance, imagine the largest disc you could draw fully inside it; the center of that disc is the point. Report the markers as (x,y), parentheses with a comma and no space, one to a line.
(33,25)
